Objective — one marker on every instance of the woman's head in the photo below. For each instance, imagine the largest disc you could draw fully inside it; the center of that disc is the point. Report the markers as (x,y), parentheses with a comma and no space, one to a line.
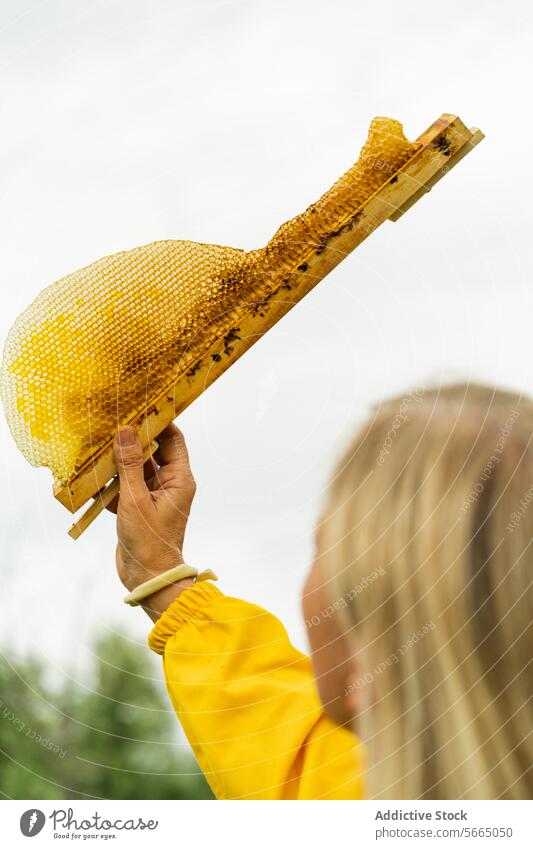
(419,604)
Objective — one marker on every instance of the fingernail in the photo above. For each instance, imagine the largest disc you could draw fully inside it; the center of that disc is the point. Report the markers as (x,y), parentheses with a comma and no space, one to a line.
(126,436)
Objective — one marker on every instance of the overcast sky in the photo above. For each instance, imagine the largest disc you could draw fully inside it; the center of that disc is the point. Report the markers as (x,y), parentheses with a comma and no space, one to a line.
(128,122)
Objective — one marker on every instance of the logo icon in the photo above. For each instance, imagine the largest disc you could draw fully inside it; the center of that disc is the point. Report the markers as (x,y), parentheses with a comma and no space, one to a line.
(31,822)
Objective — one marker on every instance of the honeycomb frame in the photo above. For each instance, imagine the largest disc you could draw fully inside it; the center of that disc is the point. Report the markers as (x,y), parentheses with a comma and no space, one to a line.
(299,255)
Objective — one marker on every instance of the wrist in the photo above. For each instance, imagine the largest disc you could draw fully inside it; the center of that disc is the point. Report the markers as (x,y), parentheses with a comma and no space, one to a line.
(156,604)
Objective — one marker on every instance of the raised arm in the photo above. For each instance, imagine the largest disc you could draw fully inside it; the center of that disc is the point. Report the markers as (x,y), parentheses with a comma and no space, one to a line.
(245,696)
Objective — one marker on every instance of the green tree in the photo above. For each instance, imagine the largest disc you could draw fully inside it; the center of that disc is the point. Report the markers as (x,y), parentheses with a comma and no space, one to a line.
(115,738)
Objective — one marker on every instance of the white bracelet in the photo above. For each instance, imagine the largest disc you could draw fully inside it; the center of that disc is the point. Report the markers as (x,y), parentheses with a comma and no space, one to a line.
(177,573)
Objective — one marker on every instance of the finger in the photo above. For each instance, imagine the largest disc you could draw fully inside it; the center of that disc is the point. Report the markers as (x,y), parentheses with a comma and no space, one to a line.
(173,449)
(150,472)
(130,465)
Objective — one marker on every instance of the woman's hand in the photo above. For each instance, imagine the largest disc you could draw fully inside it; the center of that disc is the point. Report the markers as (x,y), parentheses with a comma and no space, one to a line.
(152,511)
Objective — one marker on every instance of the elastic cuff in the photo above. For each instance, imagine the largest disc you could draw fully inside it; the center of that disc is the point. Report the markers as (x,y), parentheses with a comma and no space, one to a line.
(189,605)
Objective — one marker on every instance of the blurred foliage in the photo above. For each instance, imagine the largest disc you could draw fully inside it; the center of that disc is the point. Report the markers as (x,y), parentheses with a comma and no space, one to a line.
(117,737)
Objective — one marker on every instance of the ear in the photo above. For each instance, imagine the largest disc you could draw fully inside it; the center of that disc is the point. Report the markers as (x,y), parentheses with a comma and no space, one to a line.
(360,692)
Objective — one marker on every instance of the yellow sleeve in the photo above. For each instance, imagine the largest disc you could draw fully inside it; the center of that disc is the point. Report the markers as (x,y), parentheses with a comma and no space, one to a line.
(247,701)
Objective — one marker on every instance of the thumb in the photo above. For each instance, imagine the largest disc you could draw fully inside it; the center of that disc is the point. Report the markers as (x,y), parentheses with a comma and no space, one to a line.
(130,465)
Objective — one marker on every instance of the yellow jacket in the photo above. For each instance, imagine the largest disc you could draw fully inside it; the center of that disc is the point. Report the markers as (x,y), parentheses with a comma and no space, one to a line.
(247,701)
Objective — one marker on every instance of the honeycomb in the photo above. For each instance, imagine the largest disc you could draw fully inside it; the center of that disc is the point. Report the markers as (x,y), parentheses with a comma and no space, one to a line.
(94,348)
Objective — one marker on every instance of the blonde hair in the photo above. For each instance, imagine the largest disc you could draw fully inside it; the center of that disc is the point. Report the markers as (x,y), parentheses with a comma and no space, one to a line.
(426,542)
